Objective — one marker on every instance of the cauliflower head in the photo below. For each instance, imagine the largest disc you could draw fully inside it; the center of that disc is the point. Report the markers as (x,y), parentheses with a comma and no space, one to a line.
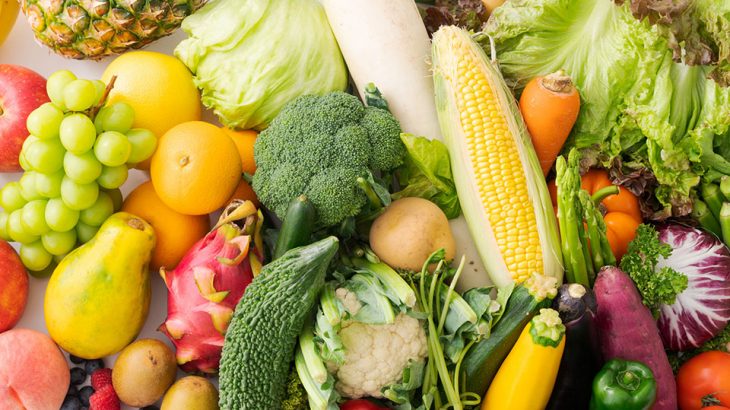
(375,354)
(319,146)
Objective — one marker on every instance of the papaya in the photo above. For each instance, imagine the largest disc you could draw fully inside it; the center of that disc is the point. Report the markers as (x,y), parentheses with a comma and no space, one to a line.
(98,297)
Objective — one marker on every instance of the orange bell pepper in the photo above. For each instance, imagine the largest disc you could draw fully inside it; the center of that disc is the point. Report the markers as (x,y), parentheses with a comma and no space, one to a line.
(622,215)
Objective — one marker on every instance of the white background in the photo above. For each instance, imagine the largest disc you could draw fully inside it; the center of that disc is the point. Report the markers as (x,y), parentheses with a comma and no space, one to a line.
(20,48)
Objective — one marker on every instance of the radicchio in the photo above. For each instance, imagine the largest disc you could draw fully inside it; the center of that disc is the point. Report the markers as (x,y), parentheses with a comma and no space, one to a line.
(702,310)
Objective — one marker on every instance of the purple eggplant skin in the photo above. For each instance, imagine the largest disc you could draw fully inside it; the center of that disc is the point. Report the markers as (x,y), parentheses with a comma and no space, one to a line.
(581,359)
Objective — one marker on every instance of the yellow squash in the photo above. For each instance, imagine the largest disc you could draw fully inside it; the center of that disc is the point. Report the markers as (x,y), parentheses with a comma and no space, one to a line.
(527,376)
(498,178)
(98,297)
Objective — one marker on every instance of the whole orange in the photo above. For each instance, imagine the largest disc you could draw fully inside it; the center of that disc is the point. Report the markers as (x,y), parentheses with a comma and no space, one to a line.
(244,141)
(195,168)
(158,86)
(176,233)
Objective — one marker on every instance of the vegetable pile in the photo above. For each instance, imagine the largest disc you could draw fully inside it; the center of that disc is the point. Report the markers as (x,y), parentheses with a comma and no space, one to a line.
(521,205)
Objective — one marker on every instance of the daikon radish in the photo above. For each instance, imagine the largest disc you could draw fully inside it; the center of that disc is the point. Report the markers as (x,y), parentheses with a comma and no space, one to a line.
(385,42)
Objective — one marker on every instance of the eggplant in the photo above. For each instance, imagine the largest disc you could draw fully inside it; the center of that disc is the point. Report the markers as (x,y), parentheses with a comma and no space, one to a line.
(581,359)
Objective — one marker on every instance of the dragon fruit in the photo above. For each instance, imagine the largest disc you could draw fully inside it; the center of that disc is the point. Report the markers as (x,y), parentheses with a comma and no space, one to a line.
(205,287)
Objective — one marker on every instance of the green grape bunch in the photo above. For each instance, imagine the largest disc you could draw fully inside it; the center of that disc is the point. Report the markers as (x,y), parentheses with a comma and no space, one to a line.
(76,157)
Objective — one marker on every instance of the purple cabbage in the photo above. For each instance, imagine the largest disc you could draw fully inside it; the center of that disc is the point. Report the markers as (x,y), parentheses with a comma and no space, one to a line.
(702,310)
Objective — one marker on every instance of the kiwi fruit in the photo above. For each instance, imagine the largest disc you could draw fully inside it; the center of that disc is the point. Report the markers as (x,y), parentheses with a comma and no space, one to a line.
(191,393)
(143,372)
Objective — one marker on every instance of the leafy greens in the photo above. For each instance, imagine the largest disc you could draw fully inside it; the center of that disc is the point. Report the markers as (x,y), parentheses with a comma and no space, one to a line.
(657,288)
(639,106)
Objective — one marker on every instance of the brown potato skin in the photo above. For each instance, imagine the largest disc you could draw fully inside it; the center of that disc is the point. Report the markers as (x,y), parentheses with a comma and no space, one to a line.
(143,372)
(409,231)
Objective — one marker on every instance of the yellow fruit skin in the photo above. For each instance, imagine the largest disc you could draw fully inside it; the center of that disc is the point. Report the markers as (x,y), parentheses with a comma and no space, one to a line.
(191,393)
(527,376)
(159,87)
(8,13)
(98,297)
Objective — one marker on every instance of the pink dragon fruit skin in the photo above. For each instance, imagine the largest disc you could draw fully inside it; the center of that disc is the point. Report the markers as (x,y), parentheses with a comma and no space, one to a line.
(203,291)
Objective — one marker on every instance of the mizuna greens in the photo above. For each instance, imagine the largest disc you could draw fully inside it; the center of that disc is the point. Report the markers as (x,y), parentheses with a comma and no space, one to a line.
(640,107)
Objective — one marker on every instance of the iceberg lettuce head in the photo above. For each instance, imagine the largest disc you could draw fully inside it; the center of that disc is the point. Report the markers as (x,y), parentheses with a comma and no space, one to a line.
(251,57)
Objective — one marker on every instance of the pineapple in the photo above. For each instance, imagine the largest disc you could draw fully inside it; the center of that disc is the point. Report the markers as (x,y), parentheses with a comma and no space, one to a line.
(92,29)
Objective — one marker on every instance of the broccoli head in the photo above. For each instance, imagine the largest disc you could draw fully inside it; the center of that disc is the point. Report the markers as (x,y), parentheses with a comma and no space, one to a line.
(319,146)
(296,396)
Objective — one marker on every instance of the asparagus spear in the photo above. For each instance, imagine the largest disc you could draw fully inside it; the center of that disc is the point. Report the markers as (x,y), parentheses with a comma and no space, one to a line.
(701,213)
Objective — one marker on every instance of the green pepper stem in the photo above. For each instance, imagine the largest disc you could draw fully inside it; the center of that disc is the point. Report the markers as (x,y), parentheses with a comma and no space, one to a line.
(628,380)
(604,192)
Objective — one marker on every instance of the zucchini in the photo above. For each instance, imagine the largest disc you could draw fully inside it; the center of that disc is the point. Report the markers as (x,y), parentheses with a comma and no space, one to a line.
(484,358)
(297,228)
(261,337)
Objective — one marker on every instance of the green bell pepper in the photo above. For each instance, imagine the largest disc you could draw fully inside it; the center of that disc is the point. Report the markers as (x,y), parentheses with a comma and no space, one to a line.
(623,385)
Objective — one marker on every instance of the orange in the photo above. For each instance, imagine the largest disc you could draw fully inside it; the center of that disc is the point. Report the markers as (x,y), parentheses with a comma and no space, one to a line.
(244,142)
(195,168)
(158,86)
(245,192)
(176,233)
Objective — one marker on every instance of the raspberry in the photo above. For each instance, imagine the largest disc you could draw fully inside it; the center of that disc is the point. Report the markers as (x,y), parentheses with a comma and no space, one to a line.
(101,378)
(104,399)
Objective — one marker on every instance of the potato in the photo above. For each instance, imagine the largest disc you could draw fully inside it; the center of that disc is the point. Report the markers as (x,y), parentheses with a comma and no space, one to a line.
(409,231)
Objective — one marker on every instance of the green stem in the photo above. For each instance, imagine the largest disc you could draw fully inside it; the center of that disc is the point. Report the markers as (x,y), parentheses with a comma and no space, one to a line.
(713,198)
(563,224)
(372,196)
(452,286)
(725,187)
(701,213)
(725,222)
(591,216)
(451,394)
(604,192)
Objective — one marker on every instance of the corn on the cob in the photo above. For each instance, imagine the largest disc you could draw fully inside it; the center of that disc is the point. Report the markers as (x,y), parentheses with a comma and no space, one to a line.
(498,177)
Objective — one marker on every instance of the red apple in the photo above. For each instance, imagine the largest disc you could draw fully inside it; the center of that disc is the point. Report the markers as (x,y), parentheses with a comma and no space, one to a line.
(21,91)
(14,289)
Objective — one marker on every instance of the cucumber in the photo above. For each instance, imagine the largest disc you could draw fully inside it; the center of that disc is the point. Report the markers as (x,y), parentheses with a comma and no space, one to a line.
(297,227)
(484,358)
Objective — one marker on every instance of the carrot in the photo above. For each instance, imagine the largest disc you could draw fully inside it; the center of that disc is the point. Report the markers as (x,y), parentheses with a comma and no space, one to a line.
(550,106)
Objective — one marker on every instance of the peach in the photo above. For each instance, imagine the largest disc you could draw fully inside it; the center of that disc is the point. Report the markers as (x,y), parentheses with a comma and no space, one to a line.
(34,374)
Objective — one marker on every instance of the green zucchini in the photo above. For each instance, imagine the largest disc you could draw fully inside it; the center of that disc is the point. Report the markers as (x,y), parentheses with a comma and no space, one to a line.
(484,358)
(297,228)
(260,341)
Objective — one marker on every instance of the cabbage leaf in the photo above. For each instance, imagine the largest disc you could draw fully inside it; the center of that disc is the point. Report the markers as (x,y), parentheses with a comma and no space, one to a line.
(251,57)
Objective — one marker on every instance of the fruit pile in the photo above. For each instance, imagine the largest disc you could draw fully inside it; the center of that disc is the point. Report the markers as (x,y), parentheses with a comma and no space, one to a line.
(75,159)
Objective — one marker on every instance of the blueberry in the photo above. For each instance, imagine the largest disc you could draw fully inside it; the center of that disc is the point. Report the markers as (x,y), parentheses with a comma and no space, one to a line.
(72,391)
(93,365)
(78,376)
(75,360)
(150,408)
(71,403)
(84,395)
